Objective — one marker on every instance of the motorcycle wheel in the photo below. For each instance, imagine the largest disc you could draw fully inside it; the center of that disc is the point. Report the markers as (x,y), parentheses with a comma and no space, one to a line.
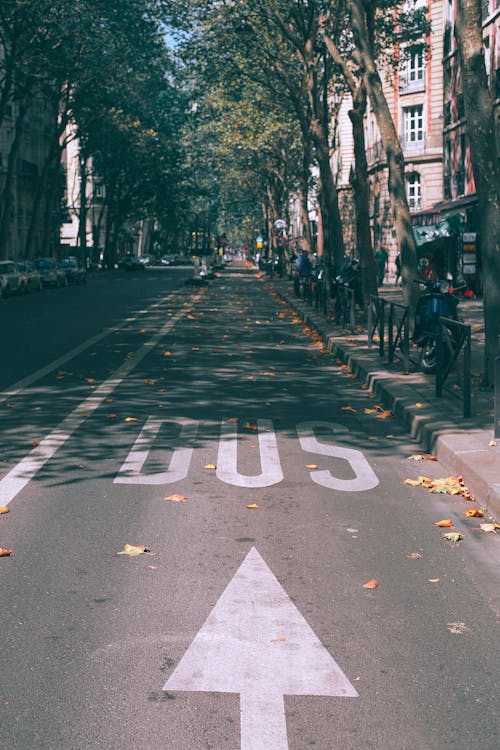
(427,359)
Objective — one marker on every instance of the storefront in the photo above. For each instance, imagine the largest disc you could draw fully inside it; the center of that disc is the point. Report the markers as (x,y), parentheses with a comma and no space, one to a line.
(448,242)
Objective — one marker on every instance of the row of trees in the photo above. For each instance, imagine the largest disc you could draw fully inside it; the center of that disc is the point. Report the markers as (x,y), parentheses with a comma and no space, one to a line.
(269,77)
(226,123)
(103,67)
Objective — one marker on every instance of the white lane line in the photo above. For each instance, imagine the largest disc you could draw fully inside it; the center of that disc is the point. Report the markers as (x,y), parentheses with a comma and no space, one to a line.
(43,371)
(13,482)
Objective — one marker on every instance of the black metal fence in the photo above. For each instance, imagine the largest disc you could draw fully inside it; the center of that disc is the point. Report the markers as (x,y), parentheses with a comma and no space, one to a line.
(391,322)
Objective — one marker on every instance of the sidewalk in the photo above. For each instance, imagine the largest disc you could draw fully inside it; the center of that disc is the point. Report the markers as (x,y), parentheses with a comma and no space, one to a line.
(462,446)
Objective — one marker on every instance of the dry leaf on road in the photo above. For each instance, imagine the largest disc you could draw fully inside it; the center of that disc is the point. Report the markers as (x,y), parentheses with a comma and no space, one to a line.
(210,466)
(372,584)
(445,523)
(132,550)
(176,498)
(453,536)
(5,552)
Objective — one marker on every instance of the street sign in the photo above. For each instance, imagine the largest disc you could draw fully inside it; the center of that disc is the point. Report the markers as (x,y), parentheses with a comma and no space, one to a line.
(256,643)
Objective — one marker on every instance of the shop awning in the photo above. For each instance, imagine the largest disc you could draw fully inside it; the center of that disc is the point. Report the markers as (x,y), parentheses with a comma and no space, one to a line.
(449,226)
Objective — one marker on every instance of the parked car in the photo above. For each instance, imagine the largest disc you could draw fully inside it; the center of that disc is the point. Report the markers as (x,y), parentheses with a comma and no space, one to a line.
(51,272)
(11,281)
(132,263)
(75,272)
(31,277)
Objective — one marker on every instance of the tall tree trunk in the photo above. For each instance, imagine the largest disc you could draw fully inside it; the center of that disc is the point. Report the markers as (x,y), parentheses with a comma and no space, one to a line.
(480,126)
(361,13)
(361,193)
(333,241)
(50,163)
(82,216)
(8,192)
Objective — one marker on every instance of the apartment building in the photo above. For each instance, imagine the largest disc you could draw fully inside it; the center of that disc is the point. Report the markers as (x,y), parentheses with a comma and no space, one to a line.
(426,100)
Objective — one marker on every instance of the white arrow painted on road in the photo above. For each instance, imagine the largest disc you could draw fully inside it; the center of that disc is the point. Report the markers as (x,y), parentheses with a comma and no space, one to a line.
(256,643)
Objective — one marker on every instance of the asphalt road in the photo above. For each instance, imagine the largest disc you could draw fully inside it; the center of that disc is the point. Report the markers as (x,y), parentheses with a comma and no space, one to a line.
(246,627)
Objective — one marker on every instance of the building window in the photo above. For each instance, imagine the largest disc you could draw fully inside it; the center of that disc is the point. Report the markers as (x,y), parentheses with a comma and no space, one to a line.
(413,191)
(413,124)
(412,71)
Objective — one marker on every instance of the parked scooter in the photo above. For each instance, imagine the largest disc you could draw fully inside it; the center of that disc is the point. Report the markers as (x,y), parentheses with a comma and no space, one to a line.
(436,301)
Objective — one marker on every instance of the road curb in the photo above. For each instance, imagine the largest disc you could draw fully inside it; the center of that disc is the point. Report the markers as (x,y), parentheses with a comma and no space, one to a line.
(438,426)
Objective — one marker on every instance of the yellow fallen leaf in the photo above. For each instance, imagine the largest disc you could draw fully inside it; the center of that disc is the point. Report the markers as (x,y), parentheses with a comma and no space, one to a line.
(372,584)
(419,405)
(453,536)
(253,505)
(167,354)
(412,482)
(445,523)
(5,552)
(311,466)
(176,498)
(348,408)
(132,550)
(130,419)
(143,330)
(370,411)
(210,466)
(3,509)
(433,580)
(474,513)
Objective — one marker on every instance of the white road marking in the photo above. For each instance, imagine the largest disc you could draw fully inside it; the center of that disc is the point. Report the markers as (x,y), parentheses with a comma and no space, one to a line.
(365,478)
(256,643)
(43,371)
(13,482)
(131,471)
(227,461)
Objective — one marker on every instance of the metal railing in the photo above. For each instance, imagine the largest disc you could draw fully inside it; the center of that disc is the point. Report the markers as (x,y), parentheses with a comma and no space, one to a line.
(397,328)
(447,353)
(391,321)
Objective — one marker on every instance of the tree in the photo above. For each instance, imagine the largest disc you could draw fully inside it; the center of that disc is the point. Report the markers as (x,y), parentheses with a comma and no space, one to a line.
(480,126)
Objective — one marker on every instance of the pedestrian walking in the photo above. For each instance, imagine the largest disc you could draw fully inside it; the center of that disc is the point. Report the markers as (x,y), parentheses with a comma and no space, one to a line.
(398,267)
(382,258)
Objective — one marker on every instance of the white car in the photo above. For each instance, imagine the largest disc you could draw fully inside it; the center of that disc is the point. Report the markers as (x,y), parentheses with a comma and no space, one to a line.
(11,281)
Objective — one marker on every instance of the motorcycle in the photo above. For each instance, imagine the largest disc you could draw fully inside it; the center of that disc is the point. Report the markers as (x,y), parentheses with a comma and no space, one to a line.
(437,300)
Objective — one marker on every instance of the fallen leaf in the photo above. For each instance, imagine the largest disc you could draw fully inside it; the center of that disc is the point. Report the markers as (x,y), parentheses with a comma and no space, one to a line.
(176,498)
(210,466)
(251,426)
(348,408)
(489,527)
(453,536)
(419,405)
(372,584)
(5,552)
(492,443)
(474,513)
(414,555)
(253,505)
(412,482)
(34,443)
(143,330)
(364,387)
(311,466)
(433,580)
(133,551)
(167,354)
(152,567)
(130,419)
(458,628)
(445,523)
(112,416)
(384,414)
(422,457)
